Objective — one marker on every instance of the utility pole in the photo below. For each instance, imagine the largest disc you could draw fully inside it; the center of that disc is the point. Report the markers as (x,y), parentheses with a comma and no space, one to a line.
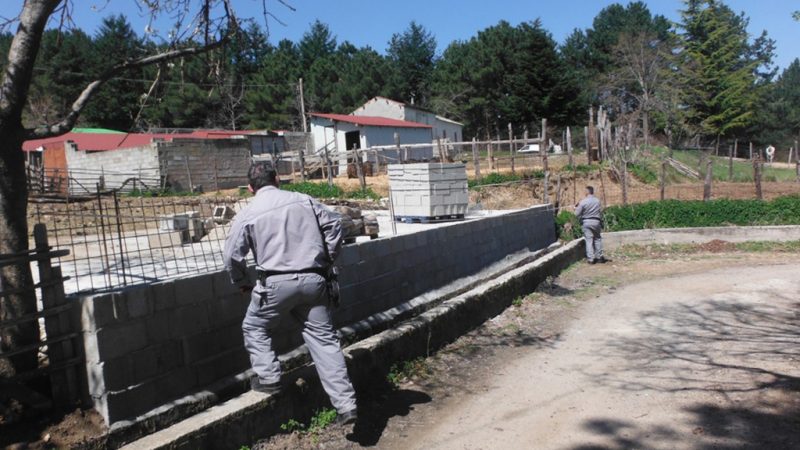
(305,130)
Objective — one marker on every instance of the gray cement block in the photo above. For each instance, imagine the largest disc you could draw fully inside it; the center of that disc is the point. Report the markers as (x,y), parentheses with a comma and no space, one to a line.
(193,290)
(116,341)
(188,320)
(138,302)
(230,309)
(163,295)
(157,326)
(229,362)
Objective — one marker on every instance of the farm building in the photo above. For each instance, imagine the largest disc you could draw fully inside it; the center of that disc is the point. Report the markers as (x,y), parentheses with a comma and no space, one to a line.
(337,132)
(442,127)
(78,161)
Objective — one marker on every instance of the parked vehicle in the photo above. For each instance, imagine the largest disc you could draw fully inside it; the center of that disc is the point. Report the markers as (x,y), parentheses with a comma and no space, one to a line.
(530,148)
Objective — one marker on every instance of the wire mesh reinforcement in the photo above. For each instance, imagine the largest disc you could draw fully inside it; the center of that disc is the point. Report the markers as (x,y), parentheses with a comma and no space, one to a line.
(117,240)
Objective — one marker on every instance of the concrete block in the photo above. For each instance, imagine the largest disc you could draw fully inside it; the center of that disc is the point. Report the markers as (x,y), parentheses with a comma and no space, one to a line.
(222,284)
(130,402)
(188,320)
(157,327)
(208,344)
(138,302)
(115,341)
(98,311)
(348,256)
(176,383)
(168,239)
(193,290)
(230,362)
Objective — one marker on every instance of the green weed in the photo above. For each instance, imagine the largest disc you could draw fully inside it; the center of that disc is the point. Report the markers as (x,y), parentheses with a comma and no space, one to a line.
(415,368)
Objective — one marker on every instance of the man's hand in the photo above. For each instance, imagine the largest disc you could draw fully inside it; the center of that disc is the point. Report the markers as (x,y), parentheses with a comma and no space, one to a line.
(245,289)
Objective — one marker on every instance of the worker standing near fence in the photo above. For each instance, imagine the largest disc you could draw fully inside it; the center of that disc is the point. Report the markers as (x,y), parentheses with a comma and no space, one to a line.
(590,214)
(294,240)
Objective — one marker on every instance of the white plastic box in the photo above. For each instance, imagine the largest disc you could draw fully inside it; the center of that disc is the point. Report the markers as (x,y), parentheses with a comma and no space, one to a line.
(429,190)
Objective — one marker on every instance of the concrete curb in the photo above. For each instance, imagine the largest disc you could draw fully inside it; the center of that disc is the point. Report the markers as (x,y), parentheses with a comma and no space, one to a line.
(614,240)
(252,416)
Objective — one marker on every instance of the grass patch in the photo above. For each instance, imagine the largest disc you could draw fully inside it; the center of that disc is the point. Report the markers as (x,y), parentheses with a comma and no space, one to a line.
(321,419)
(415,368)
(581,168)
(502,178)
(634,251)
(722,212)
(742,170)
(643,173)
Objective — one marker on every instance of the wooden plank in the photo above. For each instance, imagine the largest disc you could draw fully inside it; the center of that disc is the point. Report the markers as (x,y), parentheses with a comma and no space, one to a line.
(44,255)
(8,323)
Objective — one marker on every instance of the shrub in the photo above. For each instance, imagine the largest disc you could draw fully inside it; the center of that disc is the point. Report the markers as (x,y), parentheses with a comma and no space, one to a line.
(316,190)
(681,214)
(501,178)
(567,226)
(582,168)
(643,173)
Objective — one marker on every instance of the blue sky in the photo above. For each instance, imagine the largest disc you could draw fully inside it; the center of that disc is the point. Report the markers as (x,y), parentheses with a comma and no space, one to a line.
(372,22)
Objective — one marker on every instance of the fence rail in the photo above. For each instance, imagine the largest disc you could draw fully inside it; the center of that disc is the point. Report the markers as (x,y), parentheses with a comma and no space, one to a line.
(58,350)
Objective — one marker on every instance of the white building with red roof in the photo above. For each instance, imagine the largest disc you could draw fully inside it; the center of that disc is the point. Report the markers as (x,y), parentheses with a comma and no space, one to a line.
(336,133)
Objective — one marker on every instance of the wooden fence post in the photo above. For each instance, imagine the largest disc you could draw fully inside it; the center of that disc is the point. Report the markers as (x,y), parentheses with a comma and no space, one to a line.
(569,148)
(511,147)
(546,188)
(663,179)
(757,176)
(65,382)
(543,146)
(476,161)
(707,181)
(586,143)
(730,163)
(490,153)
(359,169)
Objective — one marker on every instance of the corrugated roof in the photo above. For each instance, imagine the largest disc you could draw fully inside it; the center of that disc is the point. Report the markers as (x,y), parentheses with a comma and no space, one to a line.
(371,121)
(113,141)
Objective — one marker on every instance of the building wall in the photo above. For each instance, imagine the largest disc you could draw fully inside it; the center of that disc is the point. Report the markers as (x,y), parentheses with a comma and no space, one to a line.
(382,107)
(372,136)
(211,163)
(148,345)
(448,131)
(112,168)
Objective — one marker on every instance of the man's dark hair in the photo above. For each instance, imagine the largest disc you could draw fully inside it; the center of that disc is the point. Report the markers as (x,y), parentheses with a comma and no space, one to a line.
(261,174)
(590,189)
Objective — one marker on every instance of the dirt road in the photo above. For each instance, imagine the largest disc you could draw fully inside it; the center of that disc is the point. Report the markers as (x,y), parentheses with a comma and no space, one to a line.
(705,360)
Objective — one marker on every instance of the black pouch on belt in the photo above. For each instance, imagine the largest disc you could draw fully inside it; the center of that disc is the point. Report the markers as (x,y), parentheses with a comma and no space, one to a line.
(332,280)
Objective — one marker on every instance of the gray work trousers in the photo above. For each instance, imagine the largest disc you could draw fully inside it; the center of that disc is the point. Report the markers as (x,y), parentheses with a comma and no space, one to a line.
(304,298)
(594,242)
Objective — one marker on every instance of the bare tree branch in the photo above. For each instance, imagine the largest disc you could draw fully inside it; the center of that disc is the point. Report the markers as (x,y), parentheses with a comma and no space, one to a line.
(92,88)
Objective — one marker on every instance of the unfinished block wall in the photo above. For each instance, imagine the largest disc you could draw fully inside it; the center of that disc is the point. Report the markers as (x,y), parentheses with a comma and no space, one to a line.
(151,344)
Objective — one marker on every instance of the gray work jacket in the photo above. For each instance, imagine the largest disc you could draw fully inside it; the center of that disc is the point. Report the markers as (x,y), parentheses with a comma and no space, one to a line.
(589,208)
(284,230)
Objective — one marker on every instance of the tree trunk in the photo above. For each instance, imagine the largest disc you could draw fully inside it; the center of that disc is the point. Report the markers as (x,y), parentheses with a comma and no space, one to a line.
(14,240)
(16,82)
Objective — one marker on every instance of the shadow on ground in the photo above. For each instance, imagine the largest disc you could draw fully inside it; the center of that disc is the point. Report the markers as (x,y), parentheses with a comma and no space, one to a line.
(743,354)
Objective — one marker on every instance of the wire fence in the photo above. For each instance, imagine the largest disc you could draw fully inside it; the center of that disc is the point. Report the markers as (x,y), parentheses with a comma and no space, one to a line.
(116,240)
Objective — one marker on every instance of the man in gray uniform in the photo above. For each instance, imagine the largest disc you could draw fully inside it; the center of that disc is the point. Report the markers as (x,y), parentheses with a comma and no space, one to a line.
(590,213)
(294,241)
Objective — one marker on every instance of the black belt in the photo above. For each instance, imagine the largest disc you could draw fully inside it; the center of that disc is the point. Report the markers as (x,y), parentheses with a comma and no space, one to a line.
(264,274)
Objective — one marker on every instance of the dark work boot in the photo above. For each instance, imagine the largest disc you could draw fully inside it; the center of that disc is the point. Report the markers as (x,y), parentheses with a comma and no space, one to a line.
(591,261)
(264,388)
(601,260)
(346,418)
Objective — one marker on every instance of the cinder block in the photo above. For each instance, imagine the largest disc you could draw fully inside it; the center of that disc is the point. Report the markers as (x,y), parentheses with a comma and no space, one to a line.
(192,290)
(130,402)
(157,327)
(115,341)
(230,362)
(188,320)
(138,302)
(98,311)
(228,309)
(163,295)
(348,256)
(222,284)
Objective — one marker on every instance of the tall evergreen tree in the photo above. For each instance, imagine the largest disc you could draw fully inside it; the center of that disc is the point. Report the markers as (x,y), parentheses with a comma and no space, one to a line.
(413,56)
(117,103)
(722,67)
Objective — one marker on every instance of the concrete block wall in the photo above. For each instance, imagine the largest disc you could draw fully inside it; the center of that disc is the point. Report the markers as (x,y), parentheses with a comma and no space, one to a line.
(211,163)
(115,166)
(148,345)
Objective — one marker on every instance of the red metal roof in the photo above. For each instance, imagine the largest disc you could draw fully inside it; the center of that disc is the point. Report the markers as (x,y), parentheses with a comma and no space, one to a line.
(105,141)
(371,121)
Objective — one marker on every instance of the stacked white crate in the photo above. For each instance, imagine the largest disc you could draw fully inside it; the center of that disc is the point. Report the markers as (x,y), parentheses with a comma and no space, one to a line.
(429,189)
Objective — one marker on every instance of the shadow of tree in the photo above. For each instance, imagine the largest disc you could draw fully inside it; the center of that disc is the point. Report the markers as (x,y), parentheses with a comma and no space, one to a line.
(745,354)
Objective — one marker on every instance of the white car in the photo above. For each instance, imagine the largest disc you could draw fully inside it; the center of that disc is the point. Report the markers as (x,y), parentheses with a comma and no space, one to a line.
(530,148)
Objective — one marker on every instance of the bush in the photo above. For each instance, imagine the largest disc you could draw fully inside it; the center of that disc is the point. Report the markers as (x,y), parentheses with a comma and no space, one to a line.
(316,190)
(501,178)
(643,173)
(681,214)
(582,168)
(567,226)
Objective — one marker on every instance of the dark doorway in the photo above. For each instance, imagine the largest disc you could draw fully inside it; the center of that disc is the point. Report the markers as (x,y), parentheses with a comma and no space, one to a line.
(352,139)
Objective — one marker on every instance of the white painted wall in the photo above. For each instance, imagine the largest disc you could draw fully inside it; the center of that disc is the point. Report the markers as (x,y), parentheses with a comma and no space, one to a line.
(323,131)
(383,107)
